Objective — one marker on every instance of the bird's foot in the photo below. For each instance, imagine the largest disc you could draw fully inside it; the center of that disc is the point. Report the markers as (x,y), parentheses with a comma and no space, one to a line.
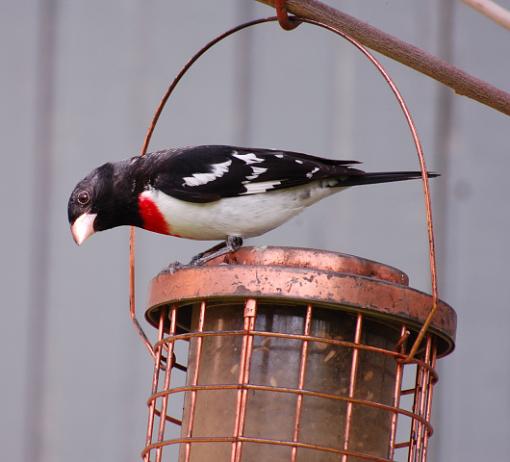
(230,245)
(173,267)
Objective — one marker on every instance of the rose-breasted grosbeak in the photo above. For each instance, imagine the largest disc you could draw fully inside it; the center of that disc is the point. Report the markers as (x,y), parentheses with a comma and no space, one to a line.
(210,192)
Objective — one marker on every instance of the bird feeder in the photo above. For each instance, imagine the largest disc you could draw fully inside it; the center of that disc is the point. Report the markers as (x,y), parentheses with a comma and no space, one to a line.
(291,355)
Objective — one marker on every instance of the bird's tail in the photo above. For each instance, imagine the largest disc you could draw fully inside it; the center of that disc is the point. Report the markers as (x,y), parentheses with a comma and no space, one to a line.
(379,177)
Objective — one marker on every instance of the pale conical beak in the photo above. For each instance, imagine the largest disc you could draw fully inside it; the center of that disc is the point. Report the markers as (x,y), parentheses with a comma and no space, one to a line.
(83,227)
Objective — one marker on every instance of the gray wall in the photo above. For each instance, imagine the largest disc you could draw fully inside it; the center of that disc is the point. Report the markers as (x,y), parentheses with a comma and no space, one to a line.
(79,83)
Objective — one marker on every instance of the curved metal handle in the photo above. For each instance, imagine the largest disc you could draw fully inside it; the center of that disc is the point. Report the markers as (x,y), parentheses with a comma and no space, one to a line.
(282,15)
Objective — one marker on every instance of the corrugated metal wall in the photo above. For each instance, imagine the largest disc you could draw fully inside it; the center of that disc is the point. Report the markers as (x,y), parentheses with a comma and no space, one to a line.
(79,83)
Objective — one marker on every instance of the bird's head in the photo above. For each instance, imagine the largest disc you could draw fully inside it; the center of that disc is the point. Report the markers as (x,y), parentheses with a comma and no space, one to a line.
(91,205)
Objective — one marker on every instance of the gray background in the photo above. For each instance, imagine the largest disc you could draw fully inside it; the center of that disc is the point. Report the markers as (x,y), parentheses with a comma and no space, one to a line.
(79,83)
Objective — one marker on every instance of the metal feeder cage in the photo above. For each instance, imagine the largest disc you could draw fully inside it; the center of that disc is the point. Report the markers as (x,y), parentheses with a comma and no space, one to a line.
(291,355)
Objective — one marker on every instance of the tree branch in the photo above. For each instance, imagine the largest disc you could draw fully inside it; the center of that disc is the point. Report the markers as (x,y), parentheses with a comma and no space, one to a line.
(492,10)
(461,82)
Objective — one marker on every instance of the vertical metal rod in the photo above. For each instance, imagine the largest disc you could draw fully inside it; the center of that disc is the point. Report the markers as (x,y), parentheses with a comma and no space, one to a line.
(301,382)
(352,384)
(194,381)
(155,380)
(166,385)
(413,433)
(428,414)
(250,313)
(132,297)
(417,405)
(423,397)
(396,393)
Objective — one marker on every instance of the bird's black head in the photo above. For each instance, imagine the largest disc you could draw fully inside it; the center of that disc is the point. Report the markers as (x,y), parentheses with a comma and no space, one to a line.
(91,206)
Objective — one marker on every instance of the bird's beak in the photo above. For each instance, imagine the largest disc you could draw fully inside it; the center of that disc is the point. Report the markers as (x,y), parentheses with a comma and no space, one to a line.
(83,227)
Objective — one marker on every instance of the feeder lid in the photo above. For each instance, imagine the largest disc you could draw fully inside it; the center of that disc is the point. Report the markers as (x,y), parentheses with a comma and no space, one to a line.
(323,278)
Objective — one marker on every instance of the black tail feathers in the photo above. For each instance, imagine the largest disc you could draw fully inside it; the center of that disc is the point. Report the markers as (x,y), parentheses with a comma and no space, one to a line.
(379,177)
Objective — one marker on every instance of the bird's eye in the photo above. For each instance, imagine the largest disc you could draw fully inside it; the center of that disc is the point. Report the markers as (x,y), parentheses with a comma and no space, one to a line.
(83,198)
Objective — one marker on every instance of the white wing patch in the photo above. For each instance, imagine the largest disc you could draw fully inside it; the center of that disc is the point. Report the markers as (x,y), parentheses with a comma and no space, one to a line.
(298,161)
(248,159)
(256,171)
(263,186)
(280,156)
(310,174)
(197,179)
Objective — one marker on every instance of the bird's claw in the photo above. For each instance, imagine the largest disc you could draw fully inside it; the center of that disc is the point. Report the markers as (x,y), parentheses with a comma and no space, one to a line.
(197,260)
(173,267)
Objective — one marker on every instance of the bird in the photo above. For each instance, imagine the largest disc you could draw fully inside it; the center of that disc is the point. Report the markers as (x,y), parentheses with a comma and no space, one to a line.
(211,192)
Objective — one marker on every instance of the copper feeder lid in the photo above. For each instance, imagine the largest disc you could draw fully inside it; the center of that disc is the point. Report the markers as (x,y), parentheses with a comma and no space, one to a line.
(326,279)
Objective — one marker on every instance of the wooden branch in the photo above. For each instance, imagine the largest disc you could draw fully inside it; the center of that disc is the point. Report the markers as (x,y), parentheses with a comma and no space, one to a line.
(461,82)
(492,10)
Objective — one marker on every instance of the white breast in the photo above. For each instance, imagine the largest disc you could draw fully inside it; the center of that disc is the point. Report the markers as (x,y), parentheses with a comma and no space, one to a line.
(245,216)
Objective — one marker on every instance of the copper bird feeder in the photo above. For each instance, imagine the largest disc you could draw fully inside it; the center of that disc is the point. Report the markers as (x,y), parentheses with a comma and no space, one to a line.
(292,355)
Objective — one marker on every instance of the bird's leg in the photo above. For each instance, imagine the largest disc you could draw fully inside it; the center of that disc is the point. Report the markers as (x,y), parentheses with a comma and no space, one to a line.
(230,245)
(203,254)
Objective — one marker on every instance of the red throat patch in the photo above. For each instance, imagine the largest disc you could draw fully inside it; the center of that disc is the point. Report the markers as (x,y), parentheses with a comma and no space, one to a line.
(151,216)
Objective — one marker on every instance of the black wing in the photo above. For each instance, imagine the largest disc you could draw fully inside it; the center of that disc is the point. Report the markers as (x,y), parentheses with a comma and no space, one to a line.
(209,173)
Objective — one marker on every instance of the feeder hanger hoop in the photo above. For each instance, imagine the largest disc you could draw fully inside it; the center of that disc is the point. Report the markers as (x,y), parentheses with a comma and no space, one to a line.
(285,21)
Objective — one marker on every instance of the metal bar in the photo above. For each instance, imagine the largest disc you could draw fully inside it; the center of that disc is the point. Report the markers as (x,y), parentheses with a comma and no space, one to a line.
(302,337)
(244,439)
(352,384)
(405,444)
(429,402)
(315,394)
(408,391)
(301,381)
(416,423)
(132,298)
(169,418)
(250,313)
(423,399)
(166,385)
(155,380)
(398,389)
(194,381)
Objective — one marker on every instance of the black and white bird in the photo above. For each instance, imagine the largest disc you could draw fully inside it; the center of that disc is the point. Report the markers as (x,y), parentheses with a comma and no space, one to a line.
(211,192)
